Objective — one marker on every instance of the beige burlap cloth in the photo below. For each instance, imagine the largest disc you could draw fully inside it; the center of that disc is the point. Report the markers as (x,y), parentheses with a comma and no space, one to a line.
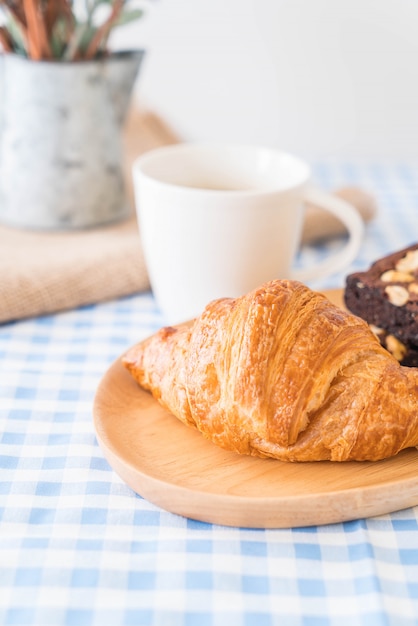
(42,272)
(47,272)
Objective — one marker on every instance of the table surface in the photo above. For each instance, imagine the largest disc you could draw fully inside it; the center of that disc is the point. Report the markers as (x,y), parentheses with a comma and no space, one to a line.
(78,547)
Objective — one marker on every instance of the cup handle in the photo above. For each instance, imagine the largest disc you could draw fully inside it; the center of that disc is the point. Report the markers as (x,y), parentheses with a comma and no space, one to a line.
(351,219)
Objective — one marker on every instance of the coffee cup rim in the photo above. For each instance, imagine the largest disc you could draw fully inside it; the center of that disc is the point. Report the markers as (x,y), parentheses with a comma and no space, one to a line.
(143,166)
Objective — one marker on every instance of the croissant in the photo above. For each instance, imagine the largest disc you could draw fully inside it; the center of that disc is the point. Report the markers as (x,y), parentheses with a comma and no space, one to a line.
(282,372)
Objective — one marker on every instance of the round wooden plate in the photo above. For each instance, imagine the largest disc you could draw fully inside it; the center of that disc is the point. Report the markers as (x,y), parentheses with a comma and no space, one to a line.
(177,469)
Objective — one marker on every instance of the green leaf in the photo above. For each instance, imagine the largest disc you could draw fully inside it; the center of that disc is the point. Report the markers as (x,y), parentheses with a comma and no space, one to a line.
(86,37)
(13,28)
(66,40)
(129,16)
(59,37)
(79,41)
(98,3)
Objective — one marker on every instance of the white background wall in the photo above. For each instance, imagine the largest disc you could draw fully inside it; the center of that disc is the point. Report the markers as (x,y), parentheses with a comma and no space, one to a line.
(323,78)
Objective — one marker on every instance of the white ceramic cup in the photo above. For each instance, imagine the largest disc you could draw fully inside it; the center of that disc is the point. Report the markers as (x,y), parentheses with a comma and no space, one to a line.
(218,220)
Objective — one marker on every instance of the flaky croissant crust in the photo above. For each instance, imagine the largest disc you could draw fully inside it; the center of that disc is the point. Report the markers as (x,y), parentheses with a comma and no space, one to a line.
(282,372)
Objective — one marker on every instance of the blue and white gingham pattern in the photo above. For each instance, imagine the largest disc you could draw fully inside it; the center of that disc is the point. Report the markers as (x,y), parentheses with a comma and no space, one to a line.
(79,548)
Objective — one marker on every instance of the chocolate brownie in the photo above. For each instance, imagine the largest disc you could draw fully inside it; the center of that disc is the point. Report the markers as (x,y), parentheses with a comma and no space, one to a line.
(406,354)
(386,296)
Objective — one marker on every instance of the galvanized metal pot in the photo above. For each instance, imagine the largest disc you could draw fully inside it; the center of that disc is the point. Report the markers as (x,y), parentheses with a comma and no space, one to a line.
(61,161)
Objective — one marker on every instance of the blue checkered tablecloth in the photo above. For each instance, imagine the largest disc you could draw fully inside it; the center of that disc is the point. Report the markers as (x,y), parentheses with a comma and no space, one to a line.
(79,548)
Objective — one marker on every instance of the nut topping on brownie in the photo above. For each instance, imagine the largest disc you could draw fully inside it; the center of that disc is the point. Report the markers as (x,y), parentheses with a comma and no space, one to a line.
(386,296)
(408,262)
